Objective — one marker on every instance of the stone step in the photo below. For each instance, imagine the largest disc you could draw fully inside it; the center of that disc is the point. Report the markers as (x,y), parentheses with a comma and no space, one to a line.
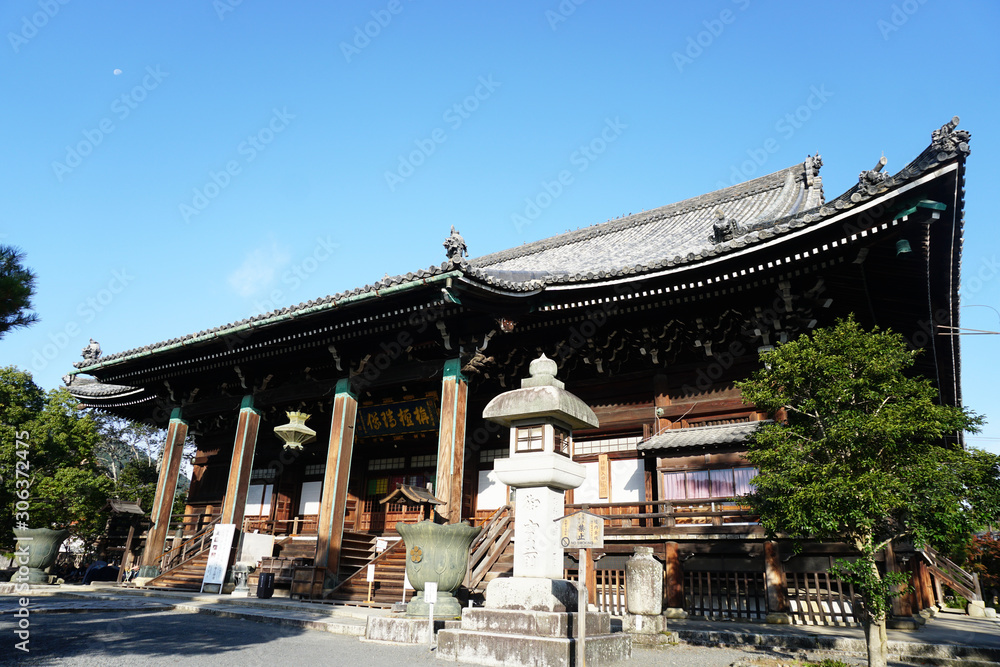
(499,649)
(534,623)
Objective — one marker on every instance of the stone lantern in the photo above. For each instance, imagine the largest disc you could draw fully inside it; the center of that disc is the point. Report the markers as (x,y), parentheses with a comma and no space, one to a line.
(541,416)
(531,617)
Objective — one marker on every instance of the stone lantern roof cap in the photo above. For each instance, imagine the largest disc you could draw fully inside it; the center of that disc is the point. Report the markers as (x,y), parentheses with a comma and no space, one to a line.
(541,396)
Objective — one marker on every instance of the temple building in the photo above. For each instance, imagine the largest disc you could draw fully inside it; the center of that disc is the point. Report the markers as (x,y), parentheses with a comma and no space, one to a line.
(650,319)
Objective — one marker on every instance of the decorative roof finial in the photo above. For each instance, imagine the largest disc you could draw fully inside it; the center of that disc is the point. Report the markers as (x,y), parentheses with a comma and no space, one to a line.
(949,140)
(454,245)
(725,229)
(92,351)
(812,165)
(873,178)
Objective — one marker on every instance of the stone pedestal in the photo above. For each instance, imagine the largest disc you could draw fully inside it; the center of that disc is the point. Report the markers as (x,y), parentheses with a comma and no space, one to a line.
(647,630)
(513,638)
(976,609)
(902,623)
(401,630)
(531,594)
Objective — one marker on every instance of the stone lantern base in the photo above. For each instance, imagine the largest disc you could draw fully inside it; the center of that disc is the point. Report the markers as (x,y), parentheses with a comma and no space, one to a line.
(518,637)
(532,594)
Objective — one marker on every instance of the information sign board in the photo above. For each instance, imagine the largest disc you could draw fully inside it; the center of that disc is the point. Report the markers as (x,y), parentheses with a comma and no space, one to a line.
(581,530)
(218,554)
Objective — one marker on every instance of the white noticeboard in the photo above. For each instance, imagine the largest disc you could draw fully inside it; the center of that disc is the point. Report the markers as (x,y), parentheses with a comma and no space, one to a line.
(218,554)
(581,530)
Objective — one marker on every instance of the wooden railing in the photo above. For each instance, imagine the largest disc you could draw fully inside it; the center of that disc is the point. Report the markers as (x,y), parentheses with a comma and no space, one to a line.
(363,570)
(376,518)
(669,513)
(189,548)
(487,548)
(186,525)
(966,583)
(300,525)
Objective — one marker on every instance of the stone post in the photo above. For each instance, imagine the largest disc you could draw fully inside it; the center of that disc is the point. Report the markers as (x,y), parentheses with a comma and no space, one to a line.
(644,597)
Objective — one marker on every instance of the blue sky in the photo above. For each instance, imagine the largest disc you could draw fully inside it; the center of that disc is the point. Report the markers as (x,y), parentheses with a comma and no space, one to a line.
(169,167)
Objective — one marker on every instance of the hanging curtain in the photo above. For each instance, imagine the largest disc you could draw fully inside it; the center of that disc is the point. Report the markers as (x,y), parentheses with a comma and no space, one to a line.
(673,486)
(698,484)
(744,483)
(722,483)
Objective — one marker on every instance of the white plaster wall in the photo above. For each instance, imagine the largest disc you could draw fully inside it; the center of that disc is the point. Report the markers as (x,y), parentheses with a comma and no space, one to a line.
(258,500)
(627,483)
(310,497)
(492,494)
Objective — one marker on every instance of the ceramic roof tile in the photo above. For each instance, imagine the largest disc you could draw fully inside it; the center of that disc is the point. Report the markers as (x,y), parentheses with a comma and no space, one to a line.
(702,436)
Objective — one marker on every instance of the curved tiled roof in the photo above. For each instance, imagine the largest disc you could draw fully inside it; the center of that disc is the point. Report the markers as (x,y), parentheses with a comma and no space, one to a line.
(667,237)
(700,436)
(672,230)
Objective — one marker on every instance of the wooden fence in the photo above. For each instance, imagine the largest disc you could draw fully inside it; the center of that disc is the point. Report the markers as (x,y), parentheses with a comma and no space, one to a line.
(731,595)
(817,598)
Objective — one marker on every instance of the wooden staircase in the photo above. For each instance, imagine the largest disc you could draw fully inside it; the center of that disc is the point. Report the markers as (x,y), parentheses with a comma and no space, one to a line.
(387,589)
(492,553)
(185,577)
(946,570)
(356,551)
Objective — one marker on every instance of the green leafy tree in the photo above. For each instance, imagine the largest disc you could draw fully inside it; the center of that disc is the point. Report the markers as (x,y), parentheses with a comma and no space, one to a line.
(866,455)
(17,287)
(60,483)
(130,453)
(984,560)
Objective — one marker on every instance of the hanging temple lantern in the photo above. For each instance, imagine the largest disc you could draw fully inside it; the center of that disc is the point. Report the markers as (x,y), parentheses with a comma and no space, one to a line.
(295,434)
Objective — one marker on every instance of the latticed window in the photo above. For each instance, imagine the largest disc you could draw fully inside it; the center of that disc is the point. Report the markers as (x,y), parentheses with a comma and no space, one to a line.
(530,438)
(562,441)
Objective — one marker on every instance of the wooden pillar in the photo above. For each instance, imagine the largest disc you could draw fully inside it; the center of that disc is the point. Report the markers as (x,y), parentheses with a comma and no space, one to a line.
(900,603)
(333,504)
(675,576)
(591,582)
(166,488)
(661,399)
(776,585)
(234,505)
(451,442)
(923,584)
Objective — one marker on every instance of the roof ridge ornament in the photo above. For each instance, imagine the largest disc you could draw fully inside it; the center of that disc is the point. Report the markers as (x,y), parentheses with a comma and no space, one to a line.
(92,352)
(949,140)
(812,166)
(725,229)
(454,246)
(872,179)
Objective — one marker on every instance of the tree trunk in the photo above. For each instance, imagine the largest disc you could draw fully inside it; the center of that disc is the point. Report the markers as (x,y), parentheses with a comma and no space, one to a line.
(877,641)
(873,618)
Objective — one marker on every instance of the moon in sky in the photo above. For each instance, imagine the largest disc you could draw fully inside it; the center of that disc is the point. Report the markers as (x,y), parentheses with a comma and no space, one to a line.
(117,72)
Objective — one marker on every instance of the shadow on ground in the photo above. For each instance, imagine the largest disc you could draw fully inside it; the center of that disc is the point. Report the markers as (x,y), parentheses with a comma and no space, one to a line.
(106,636)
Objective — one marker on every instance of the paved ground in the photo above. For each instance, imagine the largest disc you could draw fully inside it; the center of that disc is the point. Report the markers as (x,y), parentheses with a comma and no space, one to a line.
(107,626)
